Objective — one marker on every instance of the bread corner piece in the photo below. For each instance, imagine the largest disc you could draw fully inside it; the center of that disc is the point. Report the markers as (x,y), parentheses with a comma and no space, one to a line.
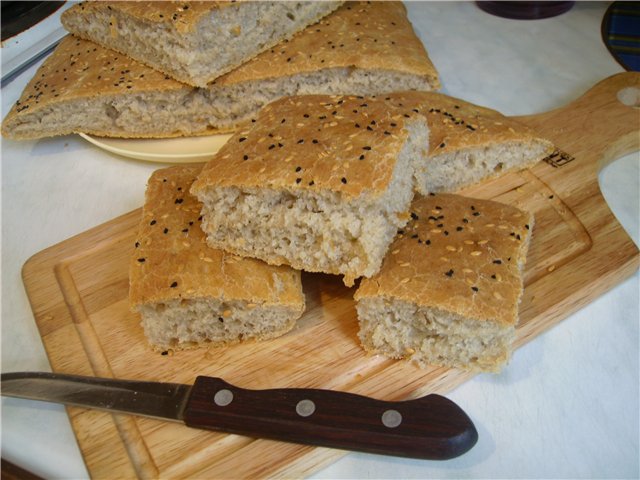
(448,292)
(189,294)
(193,42)
(318,182)
(469,143)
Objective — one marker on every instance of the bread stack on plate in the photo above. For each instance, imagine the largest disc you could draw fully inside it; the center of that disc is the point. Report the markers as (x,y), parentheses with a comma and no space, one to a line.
(339,147)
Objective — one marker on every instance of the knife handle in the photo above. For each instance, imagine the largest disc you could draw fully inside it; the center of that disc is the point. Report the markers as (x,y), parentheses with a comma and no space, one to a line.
(431,427)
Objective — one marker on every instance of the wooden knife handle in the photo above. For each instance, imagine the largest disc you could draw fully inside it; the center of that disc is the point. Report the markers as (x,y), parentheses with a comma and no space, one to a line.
(431,427)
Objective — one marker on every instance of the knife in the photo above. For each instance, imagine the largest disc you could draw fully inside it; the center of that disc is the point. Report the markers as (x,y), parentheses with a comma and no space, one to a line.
(431,427)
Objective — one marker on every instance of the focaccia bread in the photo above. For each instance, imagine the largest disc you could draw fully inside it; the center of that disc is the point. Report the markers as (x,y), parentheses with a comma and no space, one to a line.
(189,294)
(360,49)
(448,291)
(318,182)
(193,42)
(469,143)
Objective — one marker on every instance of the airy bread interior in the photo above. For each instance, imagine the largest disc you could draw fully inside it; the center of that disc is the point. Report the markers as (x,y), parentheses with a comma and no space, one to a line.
(452,171)
(222,39)
(314,231)
(182,324)
(431,336)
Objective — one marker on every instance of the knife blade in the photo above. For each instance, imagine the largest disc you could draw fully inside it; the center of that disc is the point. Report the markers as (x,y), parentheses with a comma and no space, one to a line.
(431,427)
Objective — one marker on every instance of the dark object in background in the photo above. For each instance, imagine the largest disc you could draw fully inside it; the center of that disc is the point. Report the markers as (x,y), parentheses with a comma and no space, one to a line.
(621,33)
(525,10)
(20,16)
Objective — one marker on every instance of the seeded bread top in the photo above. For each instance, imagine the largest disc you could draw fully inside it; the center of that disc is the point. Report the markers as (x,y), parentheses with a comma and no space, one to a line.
(361,35)
(183,16)
(455,124)
(342,144)
(172,261)
(457,254)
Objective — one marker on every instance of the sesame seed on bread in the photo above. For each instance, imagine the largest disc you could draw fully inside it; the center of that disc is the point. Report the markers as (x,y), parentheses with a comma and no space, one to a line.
(449,288)
(189,294)
(317,182)
(193,42)
(360,49)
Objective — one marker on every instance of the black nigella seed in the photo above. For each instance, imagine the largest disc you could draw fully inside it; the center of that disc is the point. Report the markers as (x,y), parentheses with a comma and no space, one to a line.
(475,214)
(142,260)
(493,276)
(312,183)
(314,141)
(185,230)
(464,220)
(272,146)
(137,244)
(200,218)
(245,157)
(165,231)
(427,242)
(497,262)
(393,124)
(298,169)
(446,232)
(174,284)
(357,125)
(369,128)
(414,216)
(366,148)
(475,289)
(440,225)
(361,157)
(165,352)
(470,128)
(387,133)
(298,180)
(179,201)
(242,139)
(459,229)
(152,222)
(518,237)
(400,232)
(190,223)
(343,180)
(527,226)
(283,120)
(449,273)
(301,141)
(280,145)
(415,235)
(306,115)
(442,145)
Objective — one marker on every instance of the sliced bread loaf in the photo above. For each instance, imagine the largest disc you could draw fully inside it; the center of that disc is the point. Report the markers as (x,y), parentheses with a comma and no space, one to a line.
(361,49)
(189,294)
(318,182)
(193,42)
(448,291)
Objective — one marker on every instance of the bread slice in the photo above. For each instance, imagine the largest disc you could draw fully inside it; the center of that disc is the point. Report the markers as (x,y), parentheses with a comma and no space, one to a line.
(360,49)
(448,291)
(193,42)
(189,294)
(469,143)
(318,182)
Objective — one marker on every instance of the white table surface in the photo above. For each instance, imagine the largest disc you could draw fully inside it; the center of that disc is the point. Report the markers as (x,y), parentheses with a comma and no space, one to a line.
(567,404)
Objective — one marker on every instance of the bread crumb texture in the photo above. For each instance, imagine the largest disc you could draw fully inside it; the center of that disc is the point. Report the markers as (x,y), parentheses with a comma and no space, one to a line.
(458,254)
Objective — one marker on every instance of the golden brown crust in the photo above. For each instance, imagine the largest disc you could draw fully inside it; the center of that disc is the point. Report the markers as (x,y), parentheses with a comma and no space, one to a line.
(183,16)
(342,144)
(455,124)
(172,261)
(81,70)
(361,35)
(457,254)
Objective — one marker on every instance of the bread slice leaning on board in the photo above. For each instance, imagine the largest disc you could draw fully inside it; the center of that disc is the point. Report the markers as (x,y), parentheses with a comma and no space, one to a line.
(86,88)
(193,42)
(449,288)
(191,295)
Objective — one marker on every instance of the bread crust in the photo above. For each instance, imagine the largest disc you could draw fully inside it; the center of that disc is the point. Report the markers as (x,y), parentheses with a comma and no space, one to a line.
(172,261)
(342,144)
(457,254)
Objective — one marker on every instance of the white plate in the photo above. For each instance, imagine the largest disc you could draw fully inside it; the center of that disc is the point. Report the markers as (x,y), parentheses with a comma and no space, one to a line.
(166,150)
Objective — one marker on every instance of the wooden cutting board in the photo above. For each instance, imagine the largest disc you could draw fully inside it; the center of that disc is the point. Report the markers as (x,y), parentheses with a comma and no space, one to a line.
(78,293)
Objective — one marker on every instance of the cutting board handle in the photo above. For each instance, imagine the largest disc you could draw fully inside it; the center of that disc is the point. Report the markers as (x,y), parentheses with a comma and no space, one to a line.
(603,124)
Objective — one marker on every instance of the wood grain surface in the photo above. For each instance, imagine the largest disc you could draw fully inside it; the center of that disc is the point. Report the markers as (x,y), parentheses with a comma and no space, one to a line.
(78,293)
